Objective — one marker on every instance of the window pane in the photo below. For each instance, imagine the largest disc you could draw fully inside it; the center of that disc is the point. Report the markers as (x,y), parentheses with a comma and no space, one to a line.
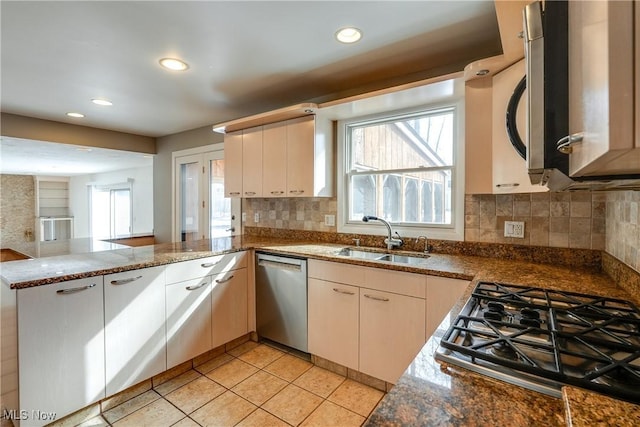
(121,213)
(425,140)
(220,212)
(363,196)
(411,200)
(189,201)
(391,195)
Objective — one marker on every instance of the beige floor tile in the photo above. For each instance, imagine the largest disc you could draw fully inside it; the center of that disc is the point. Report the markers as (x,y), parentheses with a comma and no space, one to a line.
(232,373)
(98,421)
(177,382)
(288,367)
(319,381)
(356,397)
(79,417)
(186,422)
(171,373)
(261,356)
(260,418)
(292,404)
(243,348)
(259,387)
(130,406)
(214,363)
(330,414)
(225,410)
(157,414)
(125,395)
(195,394)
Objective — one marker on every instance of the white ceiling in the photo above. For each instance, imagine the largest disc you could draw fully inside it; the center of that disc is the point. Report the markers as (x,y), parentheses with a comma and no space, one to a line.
(246,57)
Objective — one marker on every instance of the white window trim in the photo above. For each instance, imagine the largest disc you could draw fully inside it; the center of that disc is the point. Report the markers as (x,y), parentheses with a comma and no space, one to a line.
(454,231)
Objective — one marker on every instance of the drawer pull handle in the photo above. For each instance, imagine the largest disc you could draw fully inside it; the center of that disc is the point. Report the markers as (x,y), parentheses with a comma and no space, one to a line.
(277,192)
(376,298)
(74,290)
(340,291)
(193,288)
(250,193)
(296,191)
(124,281)
(234,193)
(209,264)
(225,280)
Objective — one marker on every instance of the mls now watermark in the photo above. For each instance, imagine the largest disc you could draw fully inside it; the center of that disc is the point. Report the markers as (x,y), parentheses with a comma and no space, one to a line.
(26,415)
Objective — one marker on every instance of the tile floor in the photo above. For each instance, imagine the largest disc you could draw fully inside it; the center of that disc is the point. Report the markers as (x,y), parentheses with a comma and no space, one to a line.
(251,385)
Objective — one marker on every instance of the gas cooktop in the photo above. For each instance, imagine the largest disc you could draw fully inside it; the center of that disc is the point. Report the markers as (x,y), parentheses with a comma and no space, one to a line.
(541,339)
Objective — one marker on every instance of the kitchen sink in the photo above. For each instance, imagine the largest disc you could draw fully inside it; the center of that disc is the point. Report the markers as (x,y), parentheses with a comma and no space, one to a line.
(377,256)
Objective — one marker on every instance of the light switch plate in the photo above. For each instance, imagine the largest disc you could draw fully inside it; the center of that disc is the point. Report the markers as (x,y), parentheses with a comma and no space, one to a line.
(256,217)
(330,220)
(514,229)
(244,217)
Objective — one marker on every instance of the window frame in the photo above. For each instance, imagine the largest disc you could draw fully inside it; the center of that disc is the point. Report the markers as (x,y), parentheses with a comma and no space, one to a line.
(453,231)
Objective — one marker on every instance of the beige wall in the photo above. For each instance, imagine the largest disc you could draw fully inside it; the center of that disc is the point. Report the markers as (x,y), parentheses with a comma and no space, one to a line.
(17,209)
(623,227)
(162,173)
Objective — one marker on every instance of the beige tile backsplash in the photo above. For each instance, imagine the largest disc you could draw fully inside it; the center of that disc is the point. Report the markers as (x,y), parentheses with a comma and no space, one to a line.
(623,227)
(17,209)
(291,214)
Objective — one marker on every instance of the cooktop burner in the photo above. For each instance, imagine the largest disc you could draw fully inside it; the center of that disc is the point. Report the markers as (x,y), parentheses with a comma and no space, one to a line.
(541,339)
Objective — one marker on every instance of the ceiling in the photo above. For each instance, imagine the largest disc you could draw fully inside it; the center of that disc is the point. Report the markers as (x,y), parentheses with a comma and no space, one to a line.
(245,57)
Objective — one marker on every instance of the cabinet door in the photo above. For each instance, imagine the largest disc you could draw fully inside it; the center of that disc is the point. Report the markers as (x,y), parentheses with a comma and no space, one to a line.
(274,160)
(300,157)
(601,84)
(252,162)
(188,320)
(233,164)
(391,333)
(229,306)
(442,294)
(61,351)
(135,338)
(333,322)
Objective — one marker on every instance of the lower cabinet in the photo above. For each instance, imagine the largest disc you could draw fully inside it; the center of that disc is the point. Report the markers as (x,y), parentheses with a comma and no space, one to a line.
(375,320)
(61,348)
(135,337)
(229,306)
(334,321)
(188,320)
(391,333)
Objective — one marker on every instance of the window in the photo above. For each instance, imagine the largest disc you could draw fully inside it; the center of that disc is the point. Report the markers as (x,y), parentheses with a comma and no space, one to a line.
(111,211)
(403,168)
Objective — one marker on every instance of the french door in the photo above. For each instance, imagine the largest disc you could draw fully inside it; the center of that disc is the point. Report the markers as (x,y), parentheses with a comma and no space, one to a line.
(201,210)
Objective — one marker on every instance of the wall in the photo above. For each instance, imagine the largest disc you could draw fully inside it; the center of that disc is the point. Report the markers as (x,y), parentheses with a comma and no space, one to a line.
(623,227)
(17,209)
(142,190)
(162,166)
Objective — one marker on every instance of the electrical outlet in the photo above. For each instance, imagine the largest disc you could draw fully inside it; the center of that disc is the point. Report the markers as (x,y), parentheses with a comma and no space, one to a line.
(330,220)
(514,229)
(256,217)
(244,217)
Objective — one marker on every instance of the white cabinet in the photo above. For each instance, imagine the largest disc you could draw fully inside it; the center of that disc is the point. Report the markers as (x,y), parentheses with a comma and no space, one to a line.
(61,347)
(292,158)
(135,337)
(188,320)
(442,294)
(601,88)
(229,306)
(391,332)
(233,164)
(334,321)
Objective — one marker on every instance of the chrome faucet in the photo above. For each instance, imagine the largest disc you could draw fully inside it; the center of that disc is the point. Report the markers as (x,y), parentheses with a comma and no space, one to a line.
(426,243)
(391,242)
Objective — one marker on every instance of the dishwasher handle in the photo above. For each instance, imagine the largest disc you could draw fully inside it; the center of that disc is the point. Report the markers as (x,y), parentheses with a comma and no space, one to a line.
(279,265)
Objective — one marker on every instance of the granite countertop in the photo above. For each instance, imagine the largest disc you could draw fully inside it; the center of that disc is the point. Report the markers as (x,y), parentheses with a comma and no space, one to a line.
(429,392)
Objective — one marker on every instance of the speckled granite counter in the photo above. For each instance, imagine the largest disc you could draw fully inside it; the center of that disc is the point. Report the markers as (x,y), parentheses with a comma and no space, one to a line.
(428,393)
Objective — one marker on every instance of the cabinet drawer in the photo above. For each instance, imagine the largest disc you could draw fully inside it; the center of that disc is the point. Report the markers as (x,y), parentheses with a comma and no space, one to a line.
(397,282)
(185,270)
(336,272)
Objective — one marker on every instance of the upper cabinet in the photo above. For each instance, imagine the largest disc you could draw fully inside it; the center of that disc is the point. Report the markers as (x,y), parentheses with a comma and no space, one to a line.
(602,82)
(291,158)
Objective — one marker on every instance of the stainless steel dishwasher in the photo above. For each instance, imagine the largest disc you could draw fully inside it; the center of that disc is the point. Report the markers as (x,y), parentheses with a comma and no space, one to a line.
(281,299)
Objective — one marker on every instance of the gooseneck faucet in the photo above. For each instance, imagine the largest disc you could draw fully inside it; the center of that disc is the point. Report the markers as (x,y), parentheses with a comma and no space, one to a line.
(390,241)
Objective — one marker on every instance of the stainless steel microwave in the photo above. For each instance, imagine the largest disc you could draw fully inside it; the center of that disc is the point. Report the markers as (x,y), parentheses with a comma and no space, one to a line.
(547,80)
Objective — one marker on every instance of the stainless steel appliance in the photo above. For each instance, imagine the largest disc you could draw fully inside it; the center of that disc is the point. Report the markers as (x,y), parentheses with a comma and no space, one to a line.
(281,299)
(541,339)
(547,83)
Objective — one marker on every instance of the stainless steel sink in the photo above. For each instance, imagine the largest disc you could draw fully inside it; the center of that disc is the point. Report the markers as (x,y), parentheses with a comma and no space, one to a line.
(377,256)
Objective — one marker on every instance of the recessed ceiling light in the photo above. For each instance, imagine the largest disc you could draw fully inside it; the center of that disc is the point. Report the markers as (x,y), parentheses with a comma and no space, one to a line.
(99,101)
(84,149)
(348,35)
(173,64)
(76,115)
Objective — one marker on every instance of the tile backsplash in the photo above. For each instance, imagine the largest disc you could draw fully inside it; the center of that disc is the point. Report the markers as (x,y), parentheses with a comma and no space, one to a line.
(623,227)
(564,220)
(17,209)
(290,213)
